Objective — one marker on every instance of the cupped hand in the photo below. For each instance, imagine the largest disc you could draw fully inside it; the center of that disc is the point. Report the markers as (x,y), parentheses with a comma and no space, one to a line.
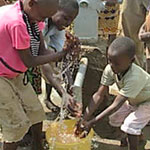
(74,107)
(72,44)
(82,128)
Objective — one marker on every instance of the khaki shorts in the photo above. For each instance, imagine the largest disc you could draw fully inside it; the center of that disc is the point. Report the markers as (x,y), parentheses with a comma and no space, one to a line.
(131,119)
(19,108)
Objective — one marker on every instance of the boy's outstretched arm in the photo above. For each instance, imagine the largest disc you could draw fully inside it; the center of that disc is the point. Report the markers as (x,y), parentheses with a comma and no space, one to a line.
(118,102)
(45,56)
(83,127)
(48,73)
(97,98)
(72,106)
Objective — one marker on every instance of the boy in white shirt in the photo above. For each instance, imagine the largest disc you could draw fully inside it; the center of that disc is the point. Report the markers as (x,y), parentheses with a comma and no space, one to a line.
(132,102)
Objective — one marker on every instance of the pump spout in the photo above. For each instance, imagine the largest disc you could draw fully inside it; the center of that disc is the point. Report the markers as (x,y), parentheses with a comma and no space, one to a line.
(78,83)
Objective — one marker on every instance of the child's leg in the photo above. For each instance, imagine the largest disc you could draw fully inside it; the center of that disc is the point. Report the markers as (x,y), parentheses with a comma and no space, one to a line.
(10,146)
(13,119)
(20,108)
(124,140)
(49,104)
(37,136)
(117,118)
(48,91)
(34,112)
(27,140)
(132,142)
(135,122)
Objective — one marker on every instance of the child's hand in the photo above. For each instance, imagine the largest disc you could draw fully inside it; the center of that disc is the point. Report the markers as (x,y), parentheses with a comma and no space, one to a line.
(69,41)
(82,128)
(74,107)
(144,35)
(76,49)
(72,44)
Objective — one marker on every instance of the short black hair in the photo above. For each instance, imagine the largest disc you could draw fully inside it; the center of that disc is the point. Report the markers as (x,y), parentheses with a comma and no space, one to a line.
(43,3)
(65,4)
(124,44)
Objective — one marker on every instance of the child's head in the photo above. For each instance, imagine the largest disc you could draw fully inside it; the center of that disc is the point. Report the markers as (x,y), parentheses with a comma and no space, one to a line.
(121,54)
(39,10)
(68,10)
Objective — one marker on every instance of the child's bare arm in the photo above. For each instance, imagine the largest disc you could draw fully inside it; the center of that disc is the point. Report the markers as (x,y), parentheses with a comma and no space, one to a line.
(32,61)
(83,127)
(48,73)
(45,56)
(97,98)
(119,100)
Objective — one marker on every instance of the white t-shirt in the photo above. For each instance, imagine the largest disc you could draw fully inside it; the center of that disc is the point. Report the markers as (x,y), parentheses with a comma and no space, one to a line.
(135,84)
(53,37)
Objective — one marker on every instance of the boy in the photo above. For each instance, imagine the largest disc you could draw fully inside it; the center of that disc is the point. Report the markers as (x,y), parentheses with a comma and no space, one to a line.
(22,47)
(133,95)
(57,39)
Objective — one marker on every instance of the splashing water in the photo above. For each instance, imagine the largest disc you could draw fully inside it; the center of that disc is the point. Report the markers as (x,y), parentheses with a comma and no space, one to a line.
(63,113)
(63,135)
(60,132)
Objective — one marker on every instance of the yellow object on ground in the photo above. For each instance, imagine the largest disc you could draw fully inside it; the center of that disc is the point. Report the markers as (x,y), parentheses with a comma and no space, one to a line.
(60,136)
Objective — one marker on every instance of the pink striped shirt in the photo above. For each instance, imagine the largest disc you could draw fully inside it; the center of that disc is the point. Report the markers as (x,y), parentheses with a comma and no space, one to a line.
(13,37)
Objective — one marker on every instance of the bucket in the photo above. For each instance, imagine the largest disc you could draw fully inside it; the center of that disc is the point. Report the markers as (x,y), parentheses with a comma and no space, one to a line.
(54,139)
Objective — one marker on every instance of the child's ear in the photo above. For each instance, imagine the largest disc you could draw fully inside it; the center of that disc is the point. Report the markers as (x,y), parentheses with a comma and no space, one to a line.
(31,3)
(133,59)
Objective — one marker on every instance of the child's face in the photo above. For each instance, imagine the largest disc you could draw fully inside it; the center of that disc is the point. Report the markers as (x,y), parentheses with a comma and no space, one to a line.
(119,62)
(39,13)
(63,18)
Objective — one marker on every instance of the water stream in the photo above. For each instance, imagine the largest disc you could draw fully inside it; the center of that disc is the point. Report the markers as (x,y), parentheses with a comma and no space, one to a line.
(61,133)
